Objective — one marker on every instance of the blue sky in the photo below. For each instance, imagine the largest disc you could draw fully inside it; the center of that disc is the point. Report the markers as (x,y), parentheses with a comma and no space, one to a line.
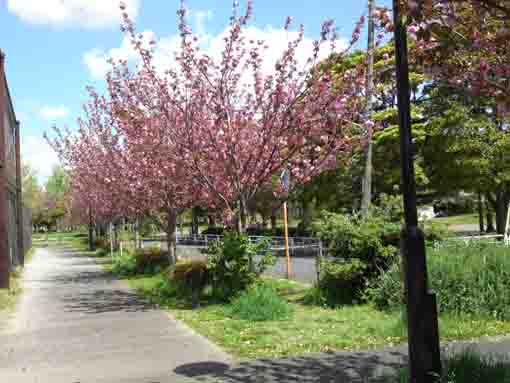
(55,48)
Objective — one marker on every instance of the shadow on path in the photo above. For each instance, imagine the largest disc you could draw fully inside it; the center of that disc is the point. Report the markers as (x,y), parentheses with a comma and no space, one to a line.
(335,367)
(102,301)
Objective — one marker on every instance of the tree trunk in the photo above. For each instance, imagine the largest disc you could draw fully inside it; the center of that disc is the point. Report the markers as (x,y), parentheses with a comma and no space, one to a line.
(92,242)
(115,236)
(171,239)
(264,220)
(212,220)
(273,220)
(501,212)
(137,233)
(194,221)
(480,212)
(490,221)
(242,214)
(307,213)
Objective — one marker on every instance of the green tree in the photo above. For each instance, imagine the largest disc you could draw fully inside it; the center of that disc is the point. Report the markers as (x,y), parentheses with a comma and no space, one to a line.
(467,148)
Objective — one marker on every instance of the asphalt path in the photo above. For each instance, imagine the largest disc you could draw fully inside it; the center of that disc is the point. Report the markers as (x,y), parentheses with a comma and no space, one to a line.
(76,323)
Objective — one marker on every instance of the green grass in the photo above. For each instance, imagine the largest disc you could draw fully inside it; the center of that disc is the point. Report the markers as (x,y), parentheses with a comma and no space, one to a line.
(75,239)
(8,297)
(261,303)
(472,278)
(467,367)
(310,329)
(463,219)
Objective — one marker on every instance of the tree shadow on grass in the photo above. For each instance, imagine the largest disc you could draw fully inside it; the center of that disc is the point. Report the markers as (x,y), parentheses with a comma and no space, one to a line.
(342,367)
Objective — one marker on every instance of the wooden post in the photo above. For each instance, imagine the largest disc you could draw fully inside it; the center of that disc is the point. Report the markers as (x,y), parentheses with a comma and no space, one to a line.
(286,233)
(422,322)
(19,200)
(5,261)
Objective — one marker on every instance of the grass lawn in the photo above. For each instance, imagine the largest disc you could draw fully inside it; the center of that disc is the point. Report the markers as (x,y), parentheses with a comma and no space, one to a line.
(311,329)
(75,239)
(463,219)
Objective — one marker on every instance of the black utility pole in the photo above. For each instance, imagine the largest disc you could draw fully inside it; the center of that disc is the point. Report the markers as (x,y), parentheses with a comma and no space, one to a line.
(422,323)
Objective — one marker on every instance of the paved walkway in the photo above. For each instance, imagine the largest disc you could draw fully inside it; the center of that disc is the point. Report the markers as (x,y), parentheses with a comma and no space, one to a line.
(76,324)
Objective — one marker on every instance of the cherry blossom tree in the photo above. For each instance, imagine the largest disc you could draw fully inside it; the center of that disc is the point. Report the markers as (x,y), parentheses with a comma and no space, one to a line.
(123,162)
(465,43)
(236,125)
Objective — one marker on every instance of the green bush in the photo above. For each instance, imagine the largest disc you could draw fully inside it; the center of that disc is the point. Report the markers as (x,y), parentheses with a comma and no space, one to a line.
(468,279)
(386,291)
(342,281)
(102,243)
(357,252)
(435,232)
(260,303)
(234,264)
(191,276)
(151,260)
(124,265)
(142,261)
(389,207)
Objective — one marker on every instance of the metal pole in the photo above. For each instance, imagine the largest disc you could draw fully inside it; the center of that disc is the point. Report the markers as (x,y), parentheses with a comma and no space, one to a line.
(422,323)
(286,232)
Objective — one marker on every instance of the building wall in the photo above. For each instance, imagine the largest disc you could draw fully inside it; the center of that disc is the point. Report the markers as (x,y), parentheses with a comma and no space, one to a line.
(12,227)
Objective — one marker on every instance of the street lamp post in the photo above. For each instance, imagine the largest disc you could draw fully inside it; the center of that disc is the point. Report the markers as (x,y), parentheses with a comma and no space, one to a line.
(422,323)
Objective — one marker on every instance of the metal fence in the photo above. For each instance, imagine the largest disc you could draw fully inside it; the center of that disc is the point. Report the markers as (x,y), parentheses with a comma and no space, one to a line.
(304,252)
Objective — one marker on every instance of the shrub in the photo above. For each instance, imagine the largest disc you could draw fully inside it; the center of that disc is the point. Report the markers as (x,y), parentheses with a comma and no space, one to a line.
(342,281)
(386,291)
(390,208)
(150,260)
(213,231)
(234,264)
(473,279)
(102,243)
(315,296)
(260,303)
(124,265)
(141,261)
(356,253)
(191,276)
(435,232)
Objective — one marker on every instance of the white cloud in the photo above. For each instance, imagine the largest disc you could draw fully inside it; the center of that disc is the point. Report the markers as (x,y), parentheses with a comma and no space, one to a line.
(96,60)
(53,112)
(85,13)
(277,40)
(39,155)
(200,18)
